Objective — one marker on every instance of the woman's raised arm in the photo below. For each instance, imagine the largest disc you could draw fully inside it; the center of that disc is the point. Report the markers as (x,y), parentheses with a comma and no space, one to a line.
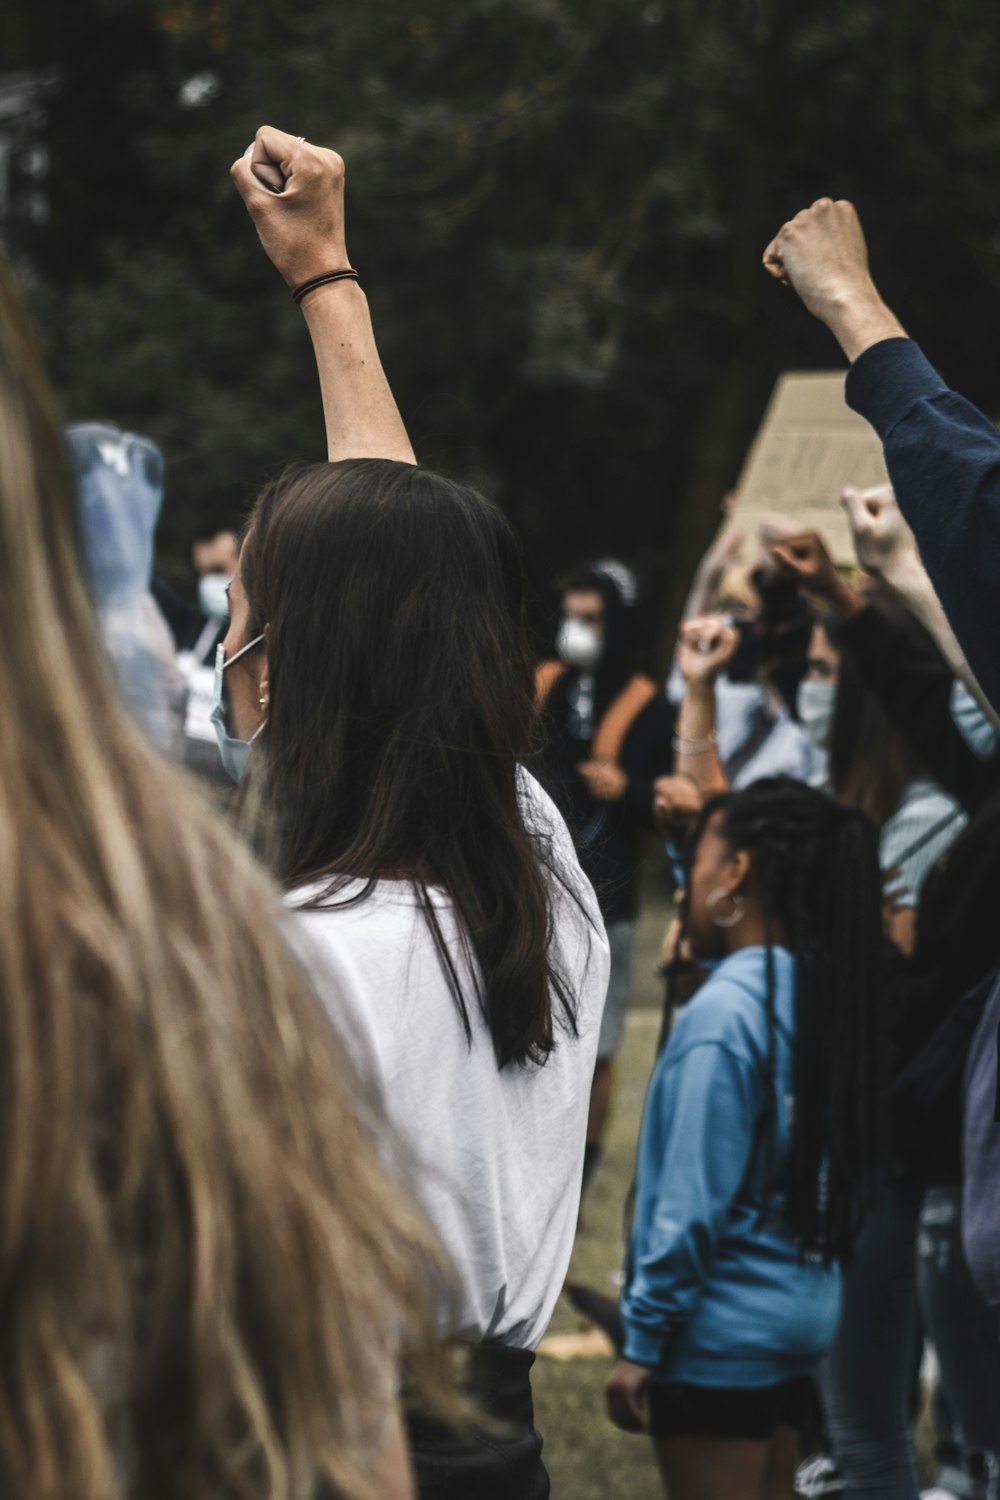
(301,227)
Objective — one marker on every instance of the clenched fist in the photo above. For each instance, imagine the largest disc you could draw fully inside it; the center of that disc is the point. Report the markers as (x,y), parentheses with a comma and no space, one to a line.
(885,545)
(707,646)
(299,214)
(823,255)
(805,558)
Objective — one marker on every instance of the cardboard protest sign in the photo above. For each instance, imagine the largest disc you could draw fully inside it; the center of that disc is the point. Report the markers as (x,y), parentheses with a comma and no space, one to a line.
(808,447)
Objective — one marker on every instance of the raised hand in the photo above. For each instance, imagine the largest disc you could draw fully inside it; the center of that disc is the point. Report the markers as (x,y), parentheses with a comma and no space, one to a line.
(299,214)
(721,555)
(707,646)
(883,541)
(805,558)
(823,255)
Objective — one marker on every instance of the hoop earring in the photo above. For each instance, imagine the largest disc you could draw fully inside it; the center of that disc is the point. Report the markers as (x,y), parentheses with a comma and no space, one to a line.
(738,908)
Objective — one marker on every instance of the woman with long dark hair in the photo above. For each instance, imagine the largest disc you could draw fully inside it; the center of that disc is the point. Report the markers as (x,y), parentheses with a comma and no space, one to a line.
(762,1125)
(377,660)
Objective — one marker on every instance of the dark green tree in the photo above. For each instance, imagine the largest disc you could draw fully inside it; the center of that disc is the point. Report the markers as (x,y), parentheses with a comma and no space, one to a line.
(558,208)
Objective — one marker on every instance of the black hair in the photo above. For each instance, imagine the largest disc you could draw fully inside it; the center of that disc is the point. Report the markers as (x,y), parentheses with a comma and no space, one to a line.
(871,763)
(401,705)
(815,867)
(619,657)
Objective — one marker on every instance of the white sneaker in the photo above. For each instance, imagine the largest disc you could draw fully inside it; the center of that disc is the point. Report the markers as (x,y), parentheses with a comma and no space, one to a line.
(818,1476)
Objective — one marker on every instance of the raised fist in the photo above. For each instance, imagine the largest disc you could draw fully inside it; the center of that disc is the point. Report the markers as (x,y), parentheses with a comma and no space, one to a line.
(805,558)
(299,213)
(883,541)
(707,646)
(822,254)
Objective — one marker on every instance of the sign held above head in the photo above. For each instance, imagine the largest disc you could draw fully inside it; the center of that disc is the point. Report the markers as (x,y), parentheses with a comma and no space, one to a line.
(809,445)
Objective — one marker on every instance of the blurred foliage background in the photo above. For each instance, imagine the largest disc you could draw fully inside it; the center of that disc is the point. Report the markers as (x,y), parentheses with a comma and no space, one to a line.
(558,209)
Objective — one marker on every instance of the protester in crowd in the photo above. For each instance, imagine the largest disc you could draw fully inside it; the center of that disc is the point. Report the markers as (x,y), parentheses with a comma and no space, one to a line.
(955,947)
(874,767)
(720,581)
(210,1276)
(378,664)
(607,732)
(943,455)
(119,490)
(198,628)
(197,631)
(887,550)
(760,1134)
(755,698)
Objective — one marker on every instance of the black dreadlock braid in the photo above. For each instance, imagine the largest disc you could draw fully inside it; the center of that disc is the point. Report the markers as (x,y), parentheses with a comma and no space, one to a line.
(815,862)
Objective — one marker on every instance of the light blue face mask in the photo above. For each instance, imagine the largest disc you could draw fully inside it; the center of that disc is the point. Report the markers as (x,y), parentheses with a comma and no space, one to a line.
(972,724)
(235,753)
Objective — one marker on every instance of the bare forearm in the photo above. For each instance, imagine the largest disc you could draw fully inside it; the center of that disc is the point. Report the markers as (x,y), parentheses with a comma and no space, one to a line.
(859,319)
(702,596)
(697,755)
(914,588)
(360,412)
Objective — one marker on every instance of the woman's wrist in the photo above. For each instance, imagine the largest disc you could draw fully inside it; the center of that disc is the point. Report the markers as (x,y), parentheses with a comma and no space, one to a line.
(701,689)
(333,298)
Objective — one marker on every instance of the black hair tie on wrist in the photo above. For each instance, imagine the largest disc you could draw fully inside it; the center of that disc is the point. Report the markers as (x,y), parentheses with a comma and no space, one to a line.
(324,280)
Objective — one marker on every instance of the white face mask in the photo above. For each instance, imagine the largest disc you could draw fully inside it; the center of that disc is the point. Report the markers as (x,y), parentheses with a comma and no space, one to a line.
(815,703)
(579,644)
(212,595)
(972,724)
(234,753)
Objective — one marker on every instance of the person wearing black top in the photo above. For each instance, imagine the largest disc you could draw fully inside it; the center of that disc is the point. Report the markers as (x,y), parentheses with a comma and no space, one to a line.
(934,995)
(608,734)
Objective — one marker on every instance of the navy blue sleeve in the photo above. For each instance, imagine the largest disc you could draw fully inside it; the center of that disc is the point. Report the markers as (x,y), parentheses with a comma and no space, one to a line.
(943,458)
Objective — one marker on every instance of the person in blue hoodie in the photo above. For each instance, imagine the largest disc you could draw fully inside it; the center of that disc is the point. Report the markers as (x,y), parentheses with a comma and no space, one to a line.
(761,1132)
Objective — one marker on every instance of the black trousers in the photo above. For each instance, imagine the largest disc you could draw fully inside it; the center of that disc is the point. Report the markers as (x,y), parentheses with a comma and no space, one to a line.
(501,1464)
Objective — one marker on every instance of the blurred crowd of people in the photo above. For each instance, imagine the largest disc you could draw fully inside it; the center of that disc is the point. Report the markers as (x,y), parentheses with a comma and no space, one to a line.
(302,1084)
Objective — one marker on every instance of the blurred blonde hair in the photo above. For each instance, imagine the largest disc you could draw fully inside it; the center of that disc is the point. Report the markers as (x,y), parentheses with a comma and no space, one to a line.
(737,593)
(207,1278)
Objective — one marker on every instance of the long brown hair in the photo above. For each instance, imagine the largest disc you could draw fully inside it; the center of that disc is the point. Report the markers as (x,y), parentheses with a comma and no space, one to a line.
(401,708)
(207,1278)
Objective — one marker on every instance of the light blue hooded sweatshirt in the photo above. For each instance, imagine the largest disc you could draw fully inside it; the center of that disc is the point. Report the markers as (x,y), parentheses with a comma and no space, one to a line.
(716,1293)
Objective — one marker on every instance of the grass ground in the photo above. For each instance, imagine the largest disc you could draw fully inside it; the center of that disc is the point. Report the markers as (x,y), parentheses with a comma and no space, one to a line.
(587,1458)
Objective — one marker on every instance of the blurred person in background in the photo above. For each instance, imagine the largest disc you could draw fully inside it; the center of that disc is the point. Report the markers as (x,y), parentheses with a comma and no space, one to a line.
(119,489)
(606,731)
(944,853)
(376,687)
(197,630)
(211,1277)
(760,1134)
(755,697)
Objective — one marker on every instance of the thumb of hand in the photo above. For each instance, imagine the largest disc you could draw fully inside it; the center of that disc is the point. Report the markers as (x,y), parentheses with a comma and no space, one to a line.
(266,172)
(857,513)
